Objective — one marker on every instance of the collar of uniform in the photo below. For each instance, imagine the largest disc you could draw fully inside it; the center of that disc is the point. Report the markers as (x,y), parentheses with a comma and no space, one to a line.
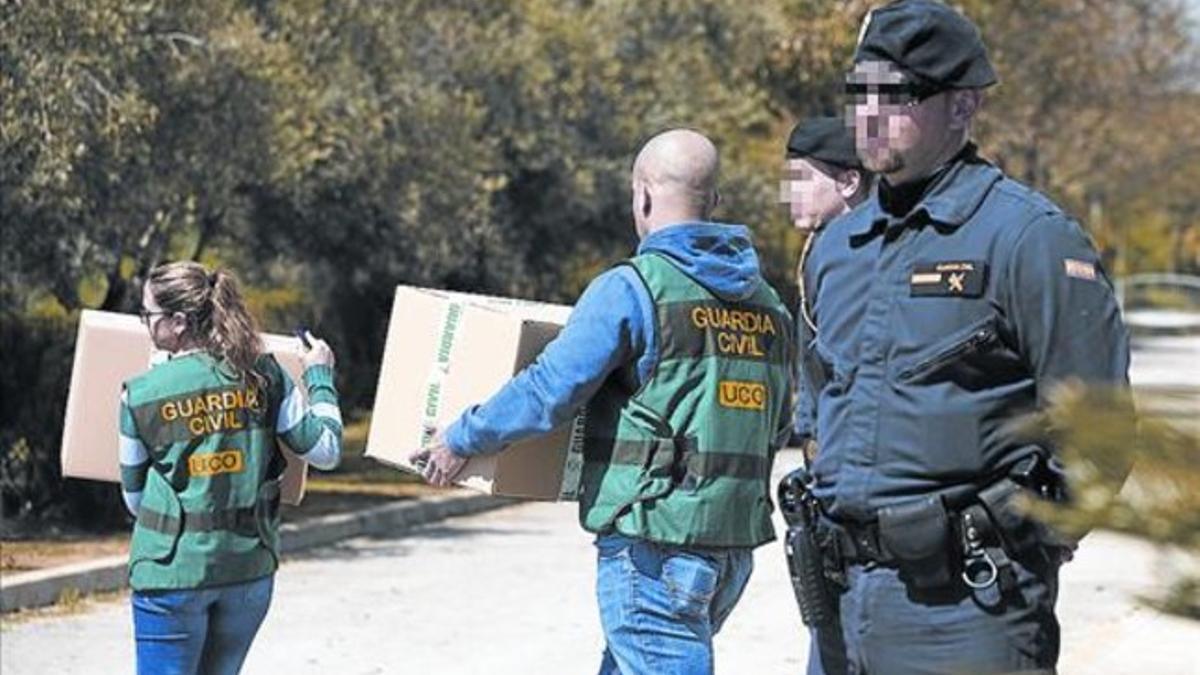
(950,201)
(873,219)
(958,194)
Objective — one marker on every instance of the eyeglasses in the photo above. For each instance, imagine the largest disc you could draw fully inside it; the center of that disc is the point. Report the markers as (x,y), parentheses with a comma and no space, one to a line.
(146,315)
(895,94)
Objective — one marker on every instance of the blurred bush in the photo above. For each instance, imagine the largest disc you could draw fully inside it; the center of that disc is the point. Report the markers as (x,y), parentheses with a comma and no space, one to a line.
(1099,440)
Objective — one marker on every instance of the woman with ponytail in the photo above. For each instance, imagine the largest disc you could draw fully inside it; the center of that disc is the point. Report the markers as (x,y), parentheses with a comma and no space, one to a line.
(200,469)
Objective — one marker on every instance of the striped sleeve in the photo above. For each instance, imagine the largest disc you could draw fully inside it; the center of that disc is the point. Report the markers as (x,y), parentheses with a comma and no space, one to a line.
(314,431)
(134,458)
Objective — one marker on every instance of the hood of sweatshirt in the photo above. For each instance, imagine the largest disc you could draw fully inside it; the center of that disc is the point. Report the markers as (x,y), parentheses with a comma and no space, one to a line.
(720,257)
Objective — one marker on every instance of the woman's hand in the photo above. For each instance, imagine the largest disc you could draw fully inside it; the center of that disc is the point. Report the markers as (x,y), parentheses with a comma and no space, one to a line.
(318,353)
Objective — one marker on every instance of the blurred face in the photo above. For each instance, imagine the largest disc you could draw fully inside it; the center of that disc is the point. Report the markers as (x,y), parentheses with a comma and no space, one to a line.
(899,130)
(811,192)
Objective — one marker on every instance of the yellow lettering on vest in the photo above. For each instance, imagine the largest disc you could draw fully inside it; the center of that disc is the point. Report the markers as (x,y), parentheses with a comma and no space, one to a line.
(212,463)
(742,395)
(741,345)
(215,422)
(748,346)
(209,413)
(739,320)
(196,426)
(744,321)
(768,326)
(725,342)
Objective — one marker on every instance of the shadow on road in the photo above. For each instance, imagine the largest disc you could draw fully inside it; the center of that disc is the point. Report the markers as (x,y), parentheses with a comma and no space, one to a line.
(404,542)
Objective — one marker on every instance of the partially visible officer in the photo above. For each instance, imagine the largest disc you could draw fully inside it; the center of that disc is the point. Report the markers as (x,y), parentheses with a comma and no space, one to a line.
(682,356)
(949,303)
(823,178)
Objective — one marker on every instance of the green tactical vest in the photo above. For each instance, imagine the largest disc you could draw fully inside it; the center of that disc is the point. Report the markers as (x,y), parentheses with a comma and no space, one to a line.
(686,459)
(209,513)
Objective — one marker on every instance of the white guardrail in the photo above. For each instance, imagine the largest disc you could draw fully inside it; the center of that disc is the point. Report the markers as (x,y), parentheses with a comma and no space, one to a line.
(1141,314)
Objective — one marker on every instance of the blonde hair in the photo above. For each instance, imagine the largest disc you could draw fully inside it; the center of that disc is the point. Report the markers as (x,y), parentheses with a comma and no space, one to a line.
(217,318)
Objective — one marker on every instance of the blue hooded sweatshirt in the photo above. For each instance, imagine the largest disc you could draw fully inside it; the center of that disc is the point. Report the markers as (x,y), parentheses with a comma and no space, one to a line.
(612,325)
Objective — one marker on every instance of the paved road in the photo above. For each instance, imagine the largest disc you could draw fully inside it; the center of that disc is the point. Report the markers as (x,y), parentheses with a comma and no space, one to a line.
(510,592)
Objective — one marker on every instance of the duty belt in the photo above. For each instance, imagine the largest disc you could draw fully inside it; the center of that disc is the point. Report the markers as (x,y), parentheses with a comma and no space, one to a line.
(979,546)
(854,543)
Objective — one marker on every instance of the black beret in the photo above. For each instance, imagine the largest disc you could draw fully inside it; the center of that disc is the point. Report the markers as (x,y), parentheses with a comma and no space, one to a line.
(826,139)
(931,43)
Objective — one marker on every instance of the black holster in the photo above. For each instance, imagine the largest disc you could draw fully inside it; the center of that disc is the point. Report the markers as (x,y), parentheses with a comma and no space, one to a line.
(807,565)
(1036,477)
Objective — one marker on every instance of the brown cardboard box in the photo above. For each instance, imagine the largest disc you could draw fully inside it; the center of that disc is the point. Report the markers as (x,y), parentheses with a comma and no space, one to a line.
(446,351)
(111,348)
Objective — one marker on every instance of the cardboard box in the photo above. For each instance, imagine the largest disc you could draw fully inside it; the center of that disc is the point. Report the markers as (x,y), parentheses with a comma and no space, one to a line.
(446,351)
(111,348)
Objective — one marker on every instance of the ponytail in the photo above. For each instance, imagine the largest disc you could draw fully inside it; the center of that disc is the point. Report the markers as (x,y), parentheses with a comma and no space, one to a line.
(233,333)
(217,317)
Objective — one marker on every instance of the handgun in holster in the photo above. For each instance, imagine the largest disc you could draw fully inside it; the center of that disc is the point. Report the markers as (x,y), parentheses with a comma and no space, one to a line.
(806,563)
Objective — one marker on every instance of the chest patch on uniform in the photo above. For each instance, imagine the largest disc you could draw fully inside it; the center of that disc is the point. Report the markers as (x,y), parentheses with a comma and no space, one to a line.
(213,463)
(948,278)
(1080,269)
(742,395)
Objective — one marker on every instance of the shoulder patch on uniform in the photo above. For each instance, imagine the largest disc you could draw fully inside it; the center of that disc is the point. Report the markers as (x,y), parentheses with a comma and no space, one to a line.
(1080,269)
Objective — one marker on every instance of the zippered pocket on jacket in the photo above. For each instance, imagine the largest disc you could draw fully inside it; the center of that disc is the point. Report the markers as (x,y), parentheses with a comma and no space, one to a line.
(978,339)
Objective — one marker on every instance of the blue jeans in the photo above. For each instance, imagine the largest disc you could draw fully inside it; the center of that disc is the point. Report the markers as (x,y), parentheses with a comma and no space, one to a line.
(660,606)
(206,630)
(886,627)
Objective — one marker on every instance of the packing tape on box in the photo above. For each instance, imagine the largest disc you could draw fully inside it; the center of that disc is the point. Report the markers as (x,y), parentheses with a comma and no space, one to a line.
(438,372)
(568,490)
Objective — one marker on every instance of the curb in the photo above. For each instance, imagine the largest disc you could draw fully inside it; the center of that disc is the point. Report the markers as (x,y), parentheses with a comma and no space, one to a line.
(45,587)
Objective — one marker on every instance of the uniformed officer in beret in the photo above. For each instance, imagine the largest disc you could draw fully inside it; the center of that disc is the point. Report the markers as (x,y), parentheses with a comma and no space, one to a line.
(823,178)
(947,304)
(822,174)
